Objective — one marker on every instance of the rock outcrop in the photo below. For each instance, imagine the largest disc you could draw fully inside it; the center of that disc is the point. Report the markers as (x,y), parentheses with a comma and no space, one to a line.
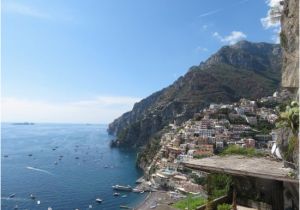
(289,39)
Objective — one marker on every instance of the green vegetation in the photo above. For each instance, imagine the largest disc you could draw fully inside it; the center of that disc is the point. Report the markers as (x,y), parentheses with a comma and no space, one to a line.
(268,104)
(123,133)
(200,156)
(238,120)
(200,180)
(147,154)
(249,134)
(224,206)
(190,203)
(283,40)
(289,119)
(219,185)
(236,150)
(264,127)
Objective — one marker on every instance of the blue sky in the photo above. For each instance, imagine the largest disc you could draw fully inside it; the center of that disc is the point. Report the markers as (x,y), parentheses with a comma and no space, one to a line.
(89,61)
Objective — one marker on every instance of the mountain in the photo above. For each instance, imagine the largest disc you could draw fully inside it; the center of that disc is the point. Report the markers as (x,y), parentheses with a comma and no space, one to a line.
(250,70)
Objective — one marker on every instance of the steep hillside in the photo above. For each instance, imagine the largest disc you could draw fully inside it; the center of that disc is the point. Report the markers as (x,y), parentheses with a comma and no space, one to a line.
(245,69)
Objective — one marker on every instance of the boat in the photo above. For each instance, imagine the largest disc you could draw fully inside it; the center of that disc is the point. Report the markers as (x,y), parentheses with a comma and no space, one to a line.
(32,196)
(136,190)
(116,194)
(122,188)
(38,202)
(142,192)
(124,196)
(124,207)
(98,200)
(12,195)
(153,205)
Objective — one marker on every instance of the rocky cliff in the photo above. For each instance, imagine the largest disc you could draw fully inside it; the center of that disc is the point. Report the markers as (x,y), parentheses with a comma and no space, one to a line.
(289,39)
(246,69)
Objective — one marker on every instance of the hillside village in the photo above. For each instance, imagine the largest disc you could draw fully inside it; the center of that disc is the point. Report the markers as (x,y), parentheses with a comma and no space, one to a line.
(245,124)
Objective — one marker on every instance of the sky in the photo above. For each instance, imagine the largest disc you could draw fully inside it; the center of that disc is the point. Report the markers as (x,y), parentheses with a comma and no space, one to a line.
(89,61)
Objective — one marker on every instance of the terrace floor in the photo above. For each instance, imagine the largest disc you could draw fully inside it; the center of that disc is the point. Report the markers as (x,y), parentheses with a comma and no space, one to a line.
(260,167)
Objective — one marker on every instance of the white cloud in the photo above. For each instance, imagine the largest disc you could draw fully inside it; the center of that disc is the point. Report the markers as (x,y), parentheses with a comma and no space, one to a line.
(22,9)
(17,8)
(201,49)
(275,37)
(210,13)
(204,27)
(272,19)
(101,109)
(232,38)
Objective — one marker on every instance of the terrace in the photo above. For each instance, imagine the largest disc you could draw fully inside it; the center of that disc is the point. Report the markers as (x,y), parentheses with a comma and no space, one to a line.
(267,180)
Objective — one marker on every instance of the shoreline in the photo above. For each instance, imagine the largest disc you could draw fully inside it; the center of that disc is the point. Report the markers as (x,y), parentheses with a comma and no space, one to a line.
(156,200)
(139,206)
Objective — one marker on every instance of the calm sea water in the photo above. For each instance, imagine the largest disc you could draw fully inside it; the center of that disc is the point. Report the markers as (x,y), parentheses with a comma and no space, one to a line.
(87,170)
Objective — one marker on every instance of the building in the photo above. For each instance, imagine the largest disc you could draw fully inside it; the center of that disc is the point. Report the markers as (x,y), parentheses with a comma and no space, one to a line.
(204,150)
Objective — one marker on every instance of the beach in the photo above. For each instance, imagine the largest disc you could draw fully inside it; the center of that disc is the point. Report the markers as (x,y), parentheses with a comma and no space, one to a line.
(159,200)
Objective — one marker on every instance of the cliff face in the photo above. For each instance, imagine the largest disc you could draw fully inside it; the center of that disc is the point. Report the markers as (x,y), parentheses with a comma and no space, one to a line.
(289,39)
(245,69)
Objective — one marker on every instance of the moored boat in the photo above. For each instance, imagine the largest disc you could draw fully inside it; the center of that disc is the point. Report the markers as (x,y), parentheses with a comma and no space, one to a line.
(124,207)
(98,200)
(122,188)
(12,195)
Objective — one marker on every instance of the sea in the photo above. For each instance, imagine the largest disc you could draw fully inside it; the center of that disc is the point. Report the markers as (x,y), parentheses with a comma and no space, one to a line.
(65,166)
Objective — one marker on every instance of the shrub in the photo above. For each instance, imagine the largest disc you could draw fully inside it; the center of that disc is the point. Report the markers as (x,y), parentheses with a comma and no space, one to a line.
(219,185)
(237,150)
(224,206)
(191,203)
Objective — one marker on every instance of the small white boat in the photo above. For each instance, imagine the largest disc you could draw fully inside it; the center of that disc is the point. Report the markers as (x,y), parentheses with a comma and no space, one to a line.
(136,190)
(124,196)
(32,196)
(121,187)
(98,200)
(116,194)
(38,202)
(153,206)
(12,195)
(90,206)
(124,207)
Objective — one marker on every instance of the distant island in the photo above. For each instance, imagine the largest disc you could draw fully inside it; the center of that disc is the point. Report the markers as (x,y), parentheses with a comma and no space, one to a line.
(23,123)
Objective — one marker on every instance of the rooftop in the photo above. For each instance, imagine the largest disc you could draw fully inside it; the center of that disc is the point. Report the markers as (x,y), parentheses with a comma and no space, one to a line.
(265,168)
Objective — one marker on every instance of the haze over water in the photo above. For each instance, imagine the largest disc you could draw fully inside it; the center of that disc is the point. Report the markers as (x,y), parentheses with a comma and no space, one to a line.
(72,183)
